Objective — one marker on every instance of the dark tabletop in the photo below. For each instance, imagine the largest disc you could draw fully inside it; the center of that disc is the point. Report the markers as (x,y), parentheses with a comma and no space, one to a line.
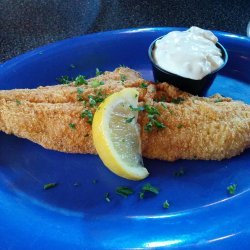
(27,24)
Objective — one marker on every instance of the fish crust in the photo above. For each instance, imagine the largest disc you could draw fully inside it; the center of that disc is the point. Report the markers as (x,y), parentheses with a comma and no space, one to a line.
(207,128)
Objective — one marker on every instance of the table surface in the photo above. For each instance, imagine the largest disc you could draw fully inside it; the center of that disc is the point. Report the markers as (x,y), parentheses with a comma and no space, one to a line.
(26,24)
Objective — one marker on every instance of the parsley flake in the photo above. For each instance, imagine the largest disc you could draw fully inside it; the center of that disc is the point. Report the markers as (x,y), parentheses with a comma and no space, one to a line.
(72,66)
(129,120)
(180,126)
(80,80)
(124,191)
(143,85)
(64,79)
(72,125)
(158,124)
(96,83)
(177,100)
(151,110)
(98,72)
(149,126)
(232,189)
(148,188)
(80,90)
(79,94)
(171,111)
(165,204)
(88,114)
(179,172)
(18,102)
(84,103)
(164,106)
(97,98)
(136,108)
(92,101)
(218,100)
(107,197)
(49,185)
(123,78)
(153,113)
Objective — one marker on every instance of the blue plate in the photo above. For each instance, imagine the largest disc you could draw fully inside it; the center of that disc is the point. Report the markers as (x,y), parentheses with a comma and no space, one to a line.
(201,212)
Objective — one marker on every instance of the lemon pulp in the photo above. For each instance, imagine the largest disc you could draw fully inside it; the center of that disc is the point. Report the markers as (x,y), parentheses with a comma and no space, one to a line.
(116,135)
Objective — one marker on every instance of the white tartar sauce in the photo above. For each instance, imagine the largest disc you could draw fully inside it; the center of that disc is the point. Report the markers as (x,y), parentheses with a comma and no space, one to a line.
(191,53)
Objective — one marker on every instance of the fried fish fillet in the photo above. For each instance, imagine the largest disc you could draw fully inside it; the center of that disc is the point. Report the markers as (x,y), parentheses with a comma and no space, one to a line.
(59,118)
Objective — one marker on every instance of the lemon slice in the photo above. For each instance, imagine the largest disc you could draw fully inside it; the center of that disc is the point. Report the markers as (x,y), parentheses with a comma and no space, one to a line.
(116,135)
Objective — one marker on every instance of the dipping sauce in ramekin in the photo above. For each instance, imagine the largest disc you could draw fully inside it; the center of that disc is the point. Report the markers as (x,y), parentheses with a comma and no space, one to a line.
(187,59)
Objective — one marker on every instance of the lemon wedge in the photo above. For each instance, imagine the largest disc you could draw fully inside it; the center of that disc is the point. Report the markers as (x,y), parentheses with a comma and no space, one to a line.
(116,135)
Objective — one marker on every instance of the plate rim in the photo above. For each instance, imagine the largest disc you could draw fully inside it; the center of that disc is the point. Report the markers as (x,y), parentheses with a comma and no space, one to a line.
(28,54)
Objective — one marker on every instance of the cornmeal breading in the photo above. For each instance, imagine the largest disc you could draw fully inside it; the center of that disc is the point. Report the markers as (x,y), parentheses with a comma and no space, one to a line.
(195,127)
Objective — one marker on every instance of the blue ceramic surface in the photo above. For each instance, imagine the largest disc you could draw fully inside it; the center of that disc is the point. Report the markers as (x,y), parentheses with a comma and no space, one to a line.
(201,212)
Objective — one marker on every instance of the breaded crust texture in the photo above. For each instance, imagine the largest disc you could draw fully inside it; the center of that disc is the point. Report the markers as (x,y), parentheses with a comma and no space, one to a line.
(59,117)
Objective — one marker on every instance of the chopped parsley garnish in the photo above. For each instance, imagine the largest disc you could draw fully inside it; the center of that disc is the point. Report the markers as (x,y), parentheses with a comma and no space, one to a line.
(165,204)
(136,108)
(149,126)
(84,103)
(136,95)
(96,83)
(123,78)
(80,80)
(163,105)
(158,124)
(148,188)
(129,120)
(72,125)
(80,90)
(143,85)
(18,102)
(92,101)
(79,94)
(163,99)
(180,126)
(49,185)
(153,114)
(98,72)
(72,66)
(87,113)
(79,98)
(218,100)
(151,110)
(171,111)
(124,191)
(232,189)
(107,197)
(177,100)
(179,172)
(64,79)
(98,98)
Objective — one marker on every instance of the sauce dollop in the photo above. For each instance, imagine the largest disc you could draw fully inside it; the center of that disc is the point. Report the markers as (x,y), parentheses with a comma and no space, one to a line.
(191,54)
